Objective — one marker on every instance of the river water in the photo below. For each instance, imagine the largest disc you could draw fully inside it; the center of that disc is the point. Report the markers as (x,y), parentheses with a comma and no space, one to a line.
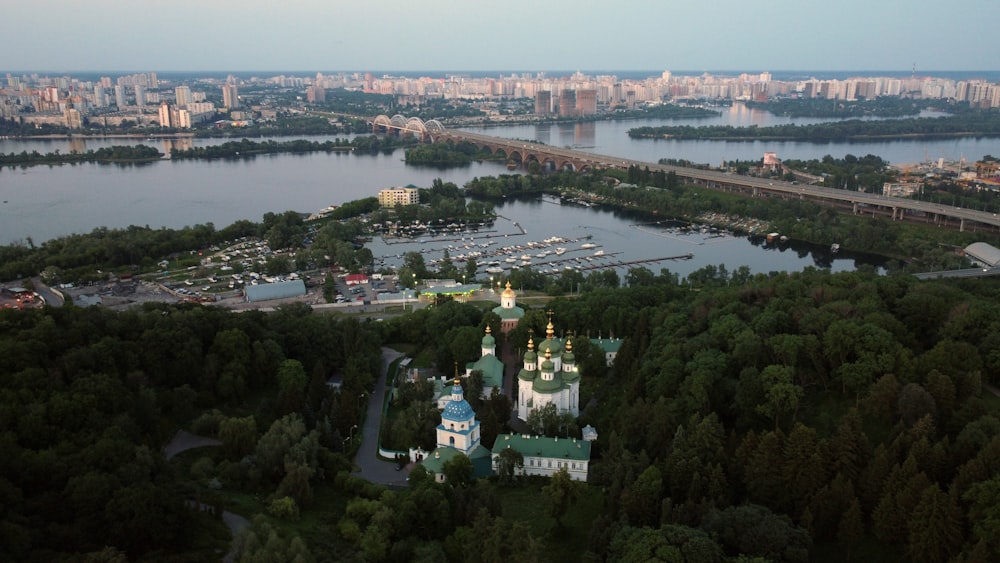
(44,202)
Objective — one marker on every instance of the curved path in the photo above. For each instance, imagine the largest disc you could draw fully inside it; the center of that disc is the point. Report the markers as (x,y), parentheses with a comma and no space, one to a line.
(368,465)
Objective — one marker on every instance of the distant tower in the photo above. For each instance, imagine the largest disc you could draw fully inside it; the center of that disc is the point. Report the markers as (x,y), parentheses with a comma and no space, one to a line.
(543,102)
(230,96)
(567,103)
(182,95)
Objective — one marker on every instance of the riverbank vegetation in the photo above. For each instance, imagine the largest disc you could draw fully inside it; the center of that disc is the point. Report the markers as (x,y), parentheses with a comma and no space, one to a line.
(885,106)
(981,123)
(446,155)
(246,148)
(108,155)
(909,246)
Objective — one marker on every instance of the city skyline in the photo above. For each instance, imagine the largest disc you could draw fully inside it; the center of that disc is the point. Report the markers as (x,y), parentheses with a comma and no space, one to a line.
(109,35)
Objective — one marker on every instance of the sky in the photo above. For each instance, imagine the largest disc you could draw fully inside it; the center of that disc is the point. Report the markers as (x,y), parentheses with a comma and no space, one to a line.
(527,35)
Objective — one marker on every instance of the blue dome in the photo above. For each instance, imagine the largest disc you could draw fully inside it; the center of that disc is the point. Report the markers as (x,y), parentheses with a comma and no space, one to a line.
(457,409)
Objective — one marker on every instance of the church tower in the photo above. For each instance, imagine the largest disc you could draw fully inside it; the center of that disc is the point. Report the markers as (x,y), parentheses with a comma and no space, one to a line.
(489,343)
(459,428)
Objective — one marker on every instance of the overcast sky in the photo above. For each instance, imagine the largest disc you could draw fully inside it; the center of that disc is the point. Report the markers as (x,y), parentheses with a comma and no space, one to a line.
(311,35)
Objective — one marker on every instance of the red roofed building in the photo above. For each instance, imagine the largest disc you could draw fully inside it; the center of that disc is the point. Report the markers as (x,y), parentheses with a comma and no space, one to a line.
(355,279)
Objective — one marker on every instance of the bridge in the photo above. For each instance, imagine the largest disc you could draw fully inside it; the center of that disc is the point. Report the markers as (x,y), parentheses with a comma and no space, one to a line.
(555,158)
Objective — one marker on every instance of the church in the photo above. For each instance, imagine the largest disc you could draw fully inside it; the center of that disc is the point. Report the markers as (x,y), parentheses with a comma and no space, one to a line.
(508,311)
(549,376)
(458,433)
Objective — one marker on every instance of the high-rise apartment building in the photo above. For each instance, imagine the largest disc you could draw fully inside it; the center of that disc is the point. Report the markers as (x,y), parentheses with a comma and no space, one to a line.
(140,96)
(230,96)
(543,102)
(182,95)
(120,96)
(586,102)
(567,103)
(164,113)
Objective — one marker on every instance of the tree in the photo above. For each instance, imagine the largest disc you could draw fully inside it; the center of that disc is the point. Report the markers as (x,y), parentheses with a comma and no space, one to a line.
(458,470)
(561,493)
(509,461)
(238,435)
(292,382)
(852,527)
(544,420)
(935,526)
(781,394)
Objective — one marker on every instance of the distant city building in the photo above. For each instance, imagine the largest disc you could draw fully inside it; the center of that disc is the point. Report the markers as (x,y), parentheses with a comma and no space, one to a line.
(230,96)
(586,102)
(543,102)
(164,114)
(391,197)
(316,94)
(567,103)
(182,96)
(140,96)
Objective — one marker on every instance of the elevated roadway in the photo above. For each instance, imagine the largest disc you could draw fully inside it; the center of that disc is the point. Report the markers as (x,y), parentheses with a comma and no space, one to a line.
(859,203)
(856,202)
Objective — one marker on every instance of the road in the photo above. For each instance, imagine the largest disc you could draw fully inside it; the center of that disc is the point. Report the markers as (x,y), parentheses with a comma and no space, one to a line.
(366,461)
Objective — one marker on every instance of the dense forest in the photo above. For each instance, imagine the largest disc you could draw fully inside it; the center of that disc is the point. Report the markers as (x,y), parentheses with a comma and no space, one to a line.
(787,417)
(985,123)
(88,398)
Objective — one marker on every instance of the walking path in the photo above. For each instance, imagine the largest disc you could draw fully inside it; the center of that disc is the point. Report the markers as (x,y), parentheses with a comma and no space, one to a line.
(368,465)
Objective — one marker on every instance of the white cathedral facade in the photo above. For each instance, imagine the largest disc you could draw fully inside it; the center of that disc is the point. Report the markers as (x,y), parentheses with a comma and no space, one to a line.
(549,376)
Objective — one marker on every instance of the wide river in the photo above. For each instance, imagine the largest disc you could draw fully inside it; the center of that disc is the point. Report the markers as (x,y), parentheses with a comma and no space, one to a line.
(44,202)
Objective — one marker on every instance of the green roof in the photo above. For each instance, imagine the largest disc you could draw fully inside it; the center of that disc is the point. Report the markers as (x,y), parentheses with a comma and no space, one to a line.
(480,457)
(543,446)
(543,386)
(492,369)
(607,344)
(526,375)
(507,314)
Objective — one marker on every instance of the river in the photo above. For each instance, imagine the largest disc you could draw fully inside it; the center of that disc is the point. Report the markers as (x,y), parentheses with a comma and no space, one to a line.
(44,202)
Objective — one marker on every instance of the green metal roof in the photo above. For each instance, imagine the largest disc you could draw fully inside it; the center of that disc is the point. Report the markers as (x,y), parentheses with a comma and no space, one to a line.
(492,369)
(557,448)
(507,314)
(480,457)
(543,386)
(607,344)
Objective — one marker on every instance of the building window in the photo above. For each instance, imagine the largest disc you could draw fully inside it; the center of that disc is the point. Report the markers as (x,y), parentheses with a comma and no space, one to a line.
(451,440)
(550,464)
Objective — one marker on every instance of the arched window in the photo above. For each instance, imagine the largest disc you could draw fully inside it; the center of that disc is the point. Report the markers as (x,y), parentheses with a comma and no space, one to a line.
(451,440)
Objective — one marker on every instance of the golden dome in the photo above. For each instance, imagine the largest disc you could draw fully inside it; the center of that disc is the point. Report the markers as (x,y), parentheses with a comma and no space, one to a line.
(508,292)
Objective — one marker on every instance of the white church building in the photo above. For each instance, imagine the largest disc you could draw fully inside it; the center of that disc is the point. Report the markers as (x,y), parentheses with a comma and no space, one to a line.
(549,375)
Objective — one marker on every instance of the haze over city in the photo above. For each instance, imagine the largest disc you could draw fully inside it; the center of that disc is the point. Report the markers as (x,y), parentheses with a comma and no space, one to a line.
(108,35)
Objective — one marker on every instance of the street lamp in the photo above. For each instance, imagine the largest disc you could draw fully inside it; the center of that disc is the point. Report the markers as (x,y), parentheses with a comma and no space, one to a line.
(353,428)
(361,397)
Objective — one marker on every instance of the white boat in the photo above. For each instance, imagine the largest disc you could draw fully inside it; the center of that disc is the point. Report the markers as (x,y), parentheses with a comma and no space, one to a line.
(510,259)
(599,253)
(494,270)
(560,251)
(834,247)
(526,257)
(588,245)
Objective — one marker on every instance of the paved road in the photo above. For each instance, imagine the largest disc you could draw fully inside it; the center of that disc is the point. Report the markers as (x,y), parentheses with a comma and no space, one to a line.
(368,465)
(51,298)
